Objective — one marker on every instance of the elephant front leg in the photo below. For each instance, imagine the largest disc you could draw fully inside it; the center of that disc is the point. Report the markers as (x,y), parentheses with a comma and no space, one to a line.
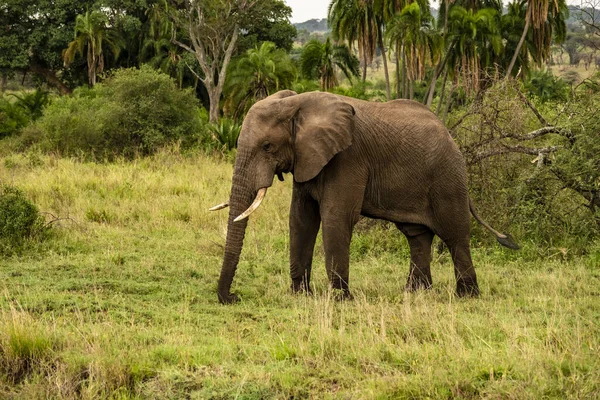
(304,226)
(337,233)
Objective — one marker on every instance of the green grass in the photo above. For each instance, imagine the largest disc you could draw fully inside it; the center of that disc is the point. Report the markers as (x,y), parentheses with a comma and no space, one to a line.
(121,302)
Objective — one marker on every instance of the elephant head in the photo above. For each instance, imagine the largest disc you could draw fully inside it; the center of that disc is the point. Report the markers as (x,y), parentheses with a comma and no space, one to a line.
(285,132)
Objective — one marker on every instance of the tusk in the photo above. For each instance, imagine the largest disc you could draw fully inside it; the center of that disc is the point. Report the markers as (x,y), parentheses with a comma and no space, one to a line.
(219,207)
(259,198)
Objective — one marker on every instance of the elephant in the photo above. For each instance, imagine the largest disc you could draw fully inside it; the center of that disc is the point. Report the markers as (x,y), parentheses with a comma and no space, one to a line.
(394,161)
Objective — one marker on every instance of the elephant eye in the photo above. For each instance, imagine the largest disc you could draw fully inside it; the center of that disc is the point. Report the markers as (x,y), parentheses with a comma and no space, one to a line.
(266,146)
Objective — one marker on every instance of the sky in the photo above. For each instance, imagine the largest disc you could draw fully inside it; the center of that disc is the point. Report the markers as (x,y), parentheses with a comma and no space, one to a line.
(303,10)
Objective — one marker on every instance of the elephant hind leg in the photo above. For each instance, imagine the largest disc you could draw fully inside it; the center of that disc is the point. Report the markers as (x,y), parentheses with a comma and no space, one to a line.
(466,279)
(419,239)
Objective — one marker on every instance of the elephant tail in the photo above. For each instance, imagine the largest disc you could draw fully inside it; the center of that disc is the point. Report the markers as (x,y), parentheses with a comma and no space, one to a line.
(504,239)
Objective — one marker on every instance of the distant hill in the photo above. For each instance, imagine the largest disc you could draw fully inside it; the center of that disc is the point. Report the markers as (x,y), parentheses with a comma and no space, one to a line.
(313,25)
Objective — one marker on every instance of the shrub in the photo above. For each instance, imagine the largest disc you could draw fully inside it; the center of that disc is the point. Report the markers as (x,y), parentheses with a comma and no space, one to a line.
(20,221)
(33,102)
(546,86)
(134,112)
(12,118)
(225,134)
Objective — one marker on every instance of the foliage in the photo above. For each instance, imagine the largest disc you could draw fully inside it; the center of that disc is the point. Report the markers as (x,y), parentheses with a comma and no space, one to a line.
(544,85)
(538,180)
(20,221)
(321,61)
(92,32)
(261,72)
(476,44)
(33,35)
(412,29)
(224,134)
(363,91)
(33,102)
(134,112)
(13,118)
(267,21)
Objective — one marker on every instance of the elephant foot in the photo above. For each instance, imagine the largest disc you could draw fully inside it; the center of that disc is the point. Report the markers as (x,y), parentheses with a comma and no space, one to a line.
(301,286)
(467,289)
(415,283)
(342,295)
(229,298)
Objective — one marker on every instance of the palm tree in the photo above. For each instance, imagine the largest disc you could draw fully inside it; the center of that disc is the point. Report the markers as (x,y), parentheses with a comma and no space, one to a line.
(354,21)
(419,42)
(321,60)
(545,17)
(475,43)
(443,25)
(91,30)
(260,72)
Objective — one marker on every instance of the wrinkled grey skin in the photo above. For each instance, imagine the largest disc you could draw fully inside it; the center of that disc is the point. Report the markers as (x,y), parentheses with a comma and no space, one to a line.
(393,161)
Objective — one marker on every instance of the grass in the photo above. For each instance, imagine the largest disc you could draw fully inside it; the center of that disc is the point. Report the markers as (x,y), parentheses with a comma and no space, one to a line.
(121,302)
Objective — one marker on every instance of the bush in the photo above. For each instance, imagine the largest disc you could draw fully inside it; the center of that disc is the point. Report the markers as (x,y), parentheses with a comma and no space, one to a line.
(134,112)
(225,134)
(20,221)
(546,86)
(12,118)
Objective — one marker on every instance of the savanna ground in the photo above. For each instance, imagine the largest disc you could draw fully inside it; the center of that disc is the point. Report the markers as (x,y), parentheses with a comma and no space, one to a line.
(121,302)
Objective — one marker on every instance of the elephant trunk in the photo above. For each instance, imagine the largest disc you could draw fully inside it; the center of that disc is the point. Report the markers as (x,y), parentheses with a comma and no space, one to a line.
(242,195)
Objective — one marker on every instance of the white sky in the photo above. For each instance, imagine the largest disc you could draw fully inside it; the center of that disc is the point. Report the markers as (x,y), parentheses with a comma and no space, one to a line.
(303,10)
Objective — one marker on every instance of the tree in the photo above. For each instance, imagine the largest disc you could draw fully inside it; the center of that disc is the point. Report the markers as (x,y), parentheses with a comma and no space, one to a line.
(210,31)
(92,31)
(354,21)
(546,18)
(260,72)
(412,29)
(33,34)
(268,21)
(321,60)
(475,43)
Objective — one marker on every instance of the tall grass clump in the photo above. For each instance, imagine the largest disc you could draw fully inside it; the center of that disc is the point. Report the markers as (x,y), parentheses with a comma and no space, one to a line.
(26,347)
(134,112)
(20,221)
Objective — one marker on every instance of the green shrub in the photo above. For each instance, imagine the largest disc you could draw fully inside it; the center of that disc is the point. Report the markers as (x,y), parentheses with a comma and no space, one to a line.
(134,112)
(225,134)
(20,221)
(546,86)
(12,118)
(33,102)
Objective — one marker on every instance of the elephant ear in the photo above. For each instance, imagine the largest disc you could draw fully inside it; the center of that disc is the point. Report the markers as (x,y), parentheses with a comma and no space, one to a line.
(321,128)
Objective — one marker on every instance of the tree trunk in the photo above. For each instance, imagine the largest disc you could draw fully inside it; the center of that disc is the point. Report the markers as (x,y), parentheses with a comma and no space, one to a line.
(403,62)
(51,78)
(439,107)
(519,45)
(385,66)
(213,97)
(436,73)
(438,69)
(398,83)
(449,102)
(364,74)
